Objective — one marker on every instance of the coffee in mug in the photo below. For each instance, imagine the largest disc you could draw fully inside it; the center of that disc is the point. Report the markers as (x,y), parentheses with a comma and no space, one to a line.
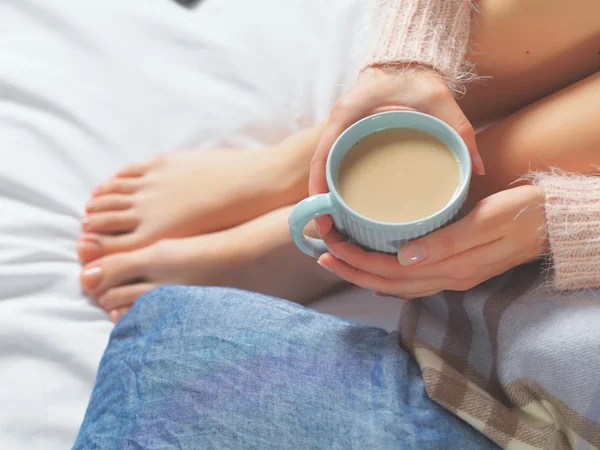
(392,177)
(398,175)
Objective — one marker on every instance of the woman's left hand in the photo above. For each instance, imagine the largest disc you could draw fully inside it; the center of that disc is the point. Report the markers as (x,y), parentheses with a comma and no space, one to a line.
(503,231)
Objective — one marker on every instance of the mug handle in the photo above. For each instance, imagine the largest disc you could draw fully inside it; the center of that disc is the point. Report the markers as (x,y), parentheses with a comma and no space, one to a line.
(305,211)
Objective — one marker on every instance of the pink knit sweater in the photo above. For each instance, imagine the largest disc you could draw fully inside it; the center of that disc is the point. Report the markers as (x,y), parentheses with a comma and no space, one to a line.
(432,33)
(435,33)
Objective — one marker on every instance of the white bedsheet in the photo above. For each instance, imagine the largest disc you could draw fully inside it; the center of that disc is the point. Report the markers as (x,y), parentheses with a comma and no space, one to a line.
(86,86)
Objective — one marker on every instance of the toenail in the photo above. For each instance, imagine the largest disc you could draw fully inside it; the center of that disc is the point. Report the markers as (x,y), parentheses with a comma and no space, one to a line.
(102,302)
(85,222)
(89,205)
(114,315)
(91,278)
(89,249)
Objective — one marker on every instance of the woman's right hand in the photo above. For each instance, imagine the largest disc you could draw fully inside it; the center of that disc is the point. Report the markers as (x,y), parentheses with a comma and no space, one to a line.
(378,90)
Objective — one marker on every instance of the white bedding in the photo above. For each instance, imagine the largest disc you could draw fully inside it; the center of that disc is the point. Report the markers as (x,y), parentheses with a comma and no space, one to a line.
(86,86)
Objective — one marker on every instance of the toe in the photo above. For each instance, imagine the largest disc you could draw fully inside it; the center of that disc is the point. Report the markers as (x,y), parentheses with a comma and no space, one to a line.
(118,185)
(114,270)
(89,249)
(116,314)
(134,170)
(123,296)
(93,246)
(109,202)
(110,222)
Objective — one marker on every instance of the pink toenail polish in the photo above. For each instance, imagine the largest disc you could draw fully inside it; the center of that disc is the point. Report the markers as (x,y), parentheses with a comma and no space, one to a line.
(89,206)
(90,278)
(85,222)
(89,249)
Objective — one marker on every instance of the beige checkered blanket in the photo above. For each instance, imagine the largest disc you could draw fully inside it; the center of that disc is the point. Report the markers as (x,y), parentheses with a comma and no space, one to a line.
(519,363)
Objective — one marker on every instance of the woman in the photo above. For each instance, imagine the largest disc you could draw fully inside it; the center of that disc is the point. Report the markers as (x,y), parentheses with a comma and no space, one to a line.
(520,49)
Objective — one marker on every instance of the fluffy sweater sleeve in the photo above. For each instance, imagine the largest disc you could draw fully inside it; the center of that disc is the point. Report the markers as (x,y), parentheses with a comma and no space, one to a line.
(573,228)
(433,33)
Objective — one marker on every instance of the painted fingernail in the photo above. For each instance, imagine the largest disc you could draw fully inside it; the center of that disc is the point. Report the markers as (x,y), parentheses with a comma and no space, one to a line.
(114,315)
(412,254)
(90,278)
(478,163)
(89,249)
(328,269)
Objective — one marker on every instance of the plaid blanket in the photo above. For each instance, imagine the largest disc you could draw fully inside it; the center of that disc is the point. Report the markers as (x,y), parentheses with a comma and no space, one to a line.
(520,364)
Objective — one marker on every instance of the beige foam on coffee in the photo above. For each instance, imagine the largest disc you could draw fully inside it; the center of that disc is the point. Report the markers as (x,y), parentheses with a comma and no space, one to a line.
(398,175)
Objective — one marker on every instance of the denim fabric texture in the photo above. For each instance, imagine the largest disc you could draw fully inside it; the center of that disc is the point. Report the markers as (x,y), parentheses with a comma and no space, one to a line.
(215,368)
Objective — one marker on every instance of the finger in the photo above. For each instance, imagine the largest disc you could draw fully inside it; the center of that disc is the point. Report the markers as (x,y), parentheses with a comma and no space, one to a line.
(352,107)
(372,282)
(419,295)
(380,264)
(447,110)
(474,230)
(459,267)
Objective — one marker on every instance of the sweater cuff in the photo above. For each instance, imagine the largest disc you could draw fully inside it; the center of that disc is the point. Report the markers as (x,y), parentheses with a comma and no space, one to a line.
(433,33)
(573,226)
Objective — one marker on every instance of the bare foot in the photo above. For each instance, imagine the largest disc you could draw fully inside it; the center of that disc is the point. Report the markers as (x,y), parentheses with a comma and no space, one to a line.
(118,280)
(180,195)
(257,255)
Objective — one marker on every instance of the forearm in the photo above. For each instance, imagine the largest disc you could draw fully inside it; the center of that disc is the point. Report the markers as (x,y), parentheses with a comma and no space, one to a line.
(557,132)
(288,165)
(274,266)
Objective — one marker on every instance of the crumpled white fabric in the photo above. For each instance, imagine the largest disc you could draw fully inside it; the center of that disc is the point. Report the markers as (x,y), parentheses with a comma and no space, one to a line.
(87,86)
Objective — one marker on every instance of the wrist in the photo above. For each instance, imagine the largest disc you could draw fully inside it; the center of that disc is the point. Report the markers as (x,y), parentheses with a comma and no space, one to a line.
(288,165)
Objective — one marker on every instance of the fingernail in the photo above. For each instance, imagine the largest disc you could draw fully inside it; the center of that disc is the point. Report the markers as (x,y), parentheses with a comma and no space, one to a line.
(412,254)
(90,278)
(89,249)
(328,269)
(114,315)
(97,190)
(478,163)
(318,228)
(102,302)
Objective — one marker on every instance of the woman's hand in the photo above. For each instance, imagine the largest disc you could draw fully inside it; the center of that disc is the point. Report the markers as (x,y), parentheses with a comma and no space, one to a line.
(379,90)
(503,231)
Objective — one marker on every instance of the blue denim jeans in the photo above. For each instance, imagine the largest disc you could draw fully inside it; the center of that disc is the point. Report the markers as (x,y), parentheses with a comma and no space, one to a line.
(215,368)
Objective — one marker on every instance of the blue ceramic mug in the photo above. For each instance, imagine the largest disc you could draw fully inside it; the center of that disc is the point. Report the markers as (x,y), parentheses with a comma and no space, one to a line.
(371,234)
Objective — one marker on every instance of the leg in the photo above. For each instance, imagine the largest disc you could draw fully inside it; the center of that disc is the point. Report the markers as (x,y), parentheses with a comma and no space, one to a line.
(527,50)
(257,255)
(194,192)
(215,368)
(558,131)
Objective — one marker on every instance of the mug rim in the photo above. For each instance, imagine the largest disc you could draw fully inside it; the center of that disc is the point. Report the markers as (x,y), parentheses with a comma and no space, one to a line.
(458,194)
